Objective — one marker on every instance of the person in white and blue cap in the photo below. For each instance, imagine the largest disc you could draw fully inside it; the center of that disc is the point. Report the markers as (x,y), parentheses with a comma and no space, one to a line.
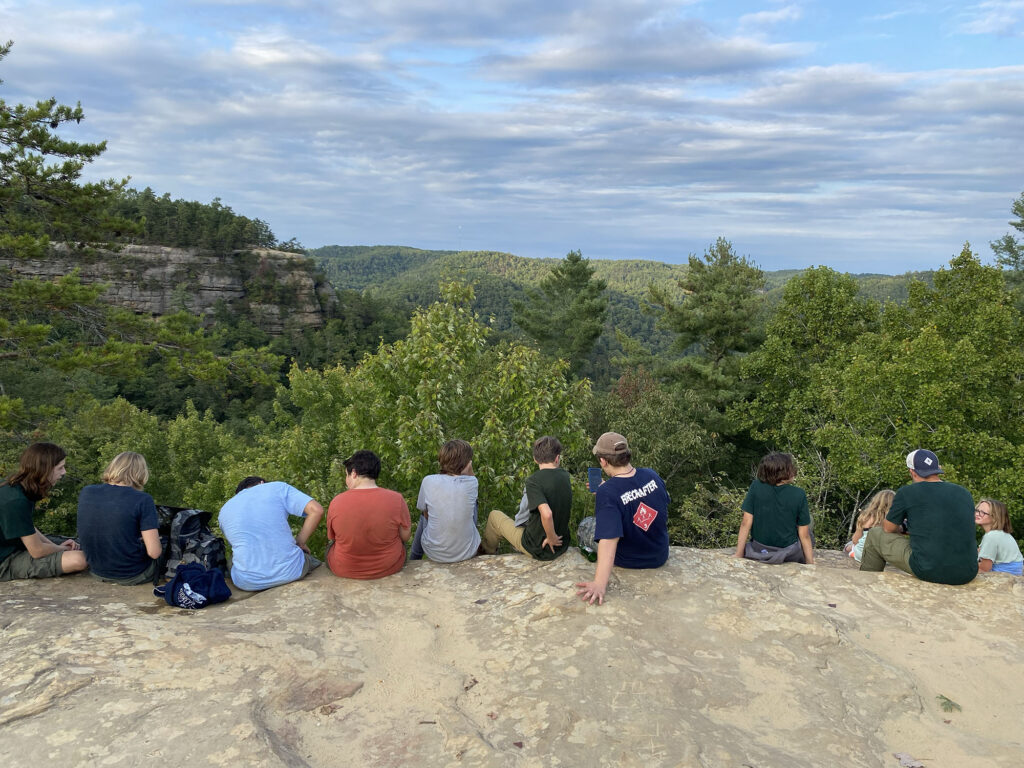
(940,544)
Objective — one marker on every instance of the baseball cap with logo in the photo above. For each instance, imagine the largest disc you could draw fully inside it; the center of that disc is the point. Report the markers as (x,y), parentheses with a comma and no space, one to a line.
(923,462)
(611,444)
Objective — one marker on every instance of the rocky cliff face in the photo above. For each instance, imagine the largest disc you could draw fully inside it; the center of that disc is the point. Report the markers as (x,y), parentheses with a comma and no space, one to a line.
(709,661)
(273,288)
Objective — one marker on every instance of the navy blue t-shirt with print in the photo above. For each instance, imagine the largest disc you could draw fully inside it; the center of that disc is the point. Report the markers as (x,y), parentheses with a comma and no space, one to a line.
(634,510)
(111,519)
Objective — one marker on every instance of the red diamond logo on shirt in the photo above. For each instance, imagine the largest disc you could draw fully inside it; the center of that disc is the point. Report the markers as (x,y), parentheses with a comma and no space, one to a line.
(644,516)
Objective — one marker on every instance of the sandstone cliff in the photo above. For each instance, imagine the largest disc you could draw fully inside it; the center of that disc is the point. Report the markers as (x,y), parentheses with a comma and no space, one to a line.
(709,661)
(273,288)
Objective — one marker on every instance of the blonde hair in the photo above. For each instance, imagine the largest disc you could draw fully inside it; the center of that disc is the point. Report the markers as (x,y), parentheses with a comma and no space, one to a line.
(128,468)
(1000,516)
(875,511)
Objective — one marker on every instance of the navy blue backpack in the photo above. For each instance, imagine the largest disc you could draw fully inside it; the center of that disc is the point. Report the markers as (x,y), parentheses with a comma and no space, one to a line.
(193,586)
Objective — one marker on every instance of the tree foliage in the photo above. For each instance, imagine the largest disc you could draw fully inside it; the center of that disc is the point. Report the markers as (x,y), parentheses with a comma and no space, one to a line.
(41,197)
(717,321)
(443,381)
(189,224)
(565,313)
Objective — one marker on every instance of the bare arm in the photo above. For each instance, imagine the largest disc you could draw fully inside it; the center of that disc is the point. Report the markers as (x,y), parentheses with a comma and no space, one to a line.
(151,539)
(547,519)
(314,512)
(744,534)
(404,532)
(890,527)
(804,532)
(984,565)
(40,546)
(589,591)
(857,534)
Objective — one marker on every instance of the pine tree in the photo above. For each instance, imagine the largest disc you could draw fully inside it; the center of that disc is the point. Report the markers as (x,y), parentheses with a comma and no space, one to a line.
(566,313)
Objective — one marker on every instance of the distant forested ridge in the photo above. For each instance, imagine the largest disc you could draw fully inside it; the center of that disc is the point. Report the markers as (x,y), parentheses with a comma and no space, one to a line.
(409,277)
(705,366)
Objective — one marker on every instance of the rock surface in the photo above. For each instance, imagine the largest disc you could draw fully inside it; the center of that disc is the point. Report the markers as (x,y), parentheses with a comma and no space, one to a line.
(709,661)
(158,280)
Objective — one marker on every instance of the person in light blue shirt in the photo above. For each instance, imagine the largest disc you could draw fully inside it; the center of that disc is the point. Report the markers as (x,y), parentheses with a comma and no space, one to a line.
(255,522)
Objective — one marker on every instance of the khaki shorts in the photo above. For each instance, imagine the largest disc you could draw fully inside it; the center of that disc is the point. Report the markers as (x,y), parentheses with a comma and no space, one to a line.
(21,565)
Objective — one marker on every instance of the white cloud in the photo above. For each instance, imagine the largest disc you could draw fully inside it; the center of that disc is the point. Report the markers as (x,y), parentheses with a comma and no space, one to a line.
(764,19)
(623,128)
(995,17)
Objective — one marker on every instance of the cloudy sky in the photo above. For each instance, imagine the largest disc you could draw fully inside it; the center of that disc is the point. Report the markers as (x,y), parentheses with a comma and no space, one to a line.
(866,136)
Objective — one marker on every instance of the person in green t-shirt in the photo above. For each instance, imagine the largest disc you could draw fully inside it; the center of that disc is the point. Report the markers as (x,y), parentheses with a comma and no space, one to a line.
(545,534)
(776,519)
(25,553)
(939,518)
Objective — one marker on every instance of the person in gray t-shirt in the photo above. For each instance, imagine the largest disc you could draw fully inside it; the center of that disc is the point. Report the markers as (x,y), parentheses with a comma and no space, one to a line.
(447,532)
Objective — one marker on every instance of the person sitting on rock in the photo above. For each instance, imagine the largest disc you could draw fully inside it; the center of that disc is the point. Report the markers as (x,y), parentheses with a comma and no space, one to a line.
(255,523)
(545,535)
(367,526)
(870,517)
(118,525)
(939,518)
(775,515)
(447,531)
(631,511)
(25,553)
(999,551)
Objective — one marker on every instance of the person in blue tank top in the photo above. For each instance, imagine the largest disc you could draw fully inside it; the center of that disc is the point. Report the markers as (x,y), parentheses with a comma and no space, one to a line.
(631,508)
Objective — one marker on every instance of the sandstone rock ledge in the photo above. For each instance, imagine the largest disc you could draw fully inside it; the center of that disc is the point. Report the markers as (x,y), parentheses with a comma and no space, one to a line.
(709,661)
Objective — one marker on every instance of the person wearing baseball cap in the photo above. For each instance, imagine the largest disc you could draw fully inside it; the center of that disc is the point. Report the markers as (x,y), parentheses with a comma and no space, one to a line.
(631,510)
(939,517)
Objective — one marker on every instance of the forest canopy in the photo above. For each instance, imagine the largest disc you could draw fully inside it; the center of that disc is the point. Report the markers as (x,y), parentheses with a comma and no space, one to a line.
(705,365)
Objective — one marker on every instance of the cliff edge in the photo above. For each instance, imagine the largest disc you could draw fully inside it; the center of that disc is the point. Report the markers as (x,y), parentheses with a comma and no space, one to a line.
(709,661)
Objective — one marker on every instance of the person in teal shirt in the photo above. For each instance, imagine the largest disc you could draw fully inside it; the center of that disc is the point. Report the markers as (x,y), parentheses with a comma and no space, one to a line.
(999,551)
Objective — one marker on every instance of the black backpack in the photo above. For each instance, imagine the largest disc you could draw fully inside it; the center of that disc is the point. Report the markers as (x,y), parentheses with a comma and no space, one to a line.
(187,538)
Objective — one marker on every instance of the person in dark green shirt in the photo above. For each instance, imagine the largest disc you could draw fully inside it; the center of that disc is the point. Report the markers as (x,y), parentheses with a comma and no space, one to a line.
(24,552)
(545,534)
(939,517)
(776,519)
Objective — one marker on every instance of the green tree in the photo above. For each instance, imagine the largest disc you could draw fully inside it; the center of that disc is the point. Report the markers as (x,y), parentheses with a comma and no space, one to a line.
(942,372)
(565,313)
(441,382)
(819,316)
(717,321)
(41,198)
(1009,250)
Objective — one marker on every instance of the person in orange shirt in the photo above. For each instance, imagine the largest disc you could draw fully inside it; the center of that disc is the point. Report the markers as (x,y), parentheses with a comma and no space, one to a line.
(367,526)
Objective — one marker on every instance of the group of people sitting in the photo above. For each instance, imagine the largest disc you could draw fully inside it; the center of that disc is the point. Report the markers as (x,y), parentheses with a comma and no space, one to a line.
(925,528)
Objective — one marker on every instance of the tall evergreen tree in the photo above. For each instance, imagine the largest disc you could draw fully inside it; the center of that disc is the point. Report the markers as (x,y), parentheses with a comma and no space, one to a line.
(718,320)
(1009,250)
(566,313)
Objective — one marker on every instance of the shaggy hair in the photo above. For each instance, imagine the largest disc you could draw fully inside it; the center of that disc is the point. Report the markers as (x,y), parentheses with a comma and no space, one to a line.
(34,469)
(875,511)
(454,456)
(776,468)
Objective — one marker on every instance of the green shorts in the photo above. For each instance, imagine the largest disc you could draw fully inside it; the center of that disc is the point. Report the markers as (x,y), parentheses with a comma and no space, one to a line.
(146,577)
(21,565)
